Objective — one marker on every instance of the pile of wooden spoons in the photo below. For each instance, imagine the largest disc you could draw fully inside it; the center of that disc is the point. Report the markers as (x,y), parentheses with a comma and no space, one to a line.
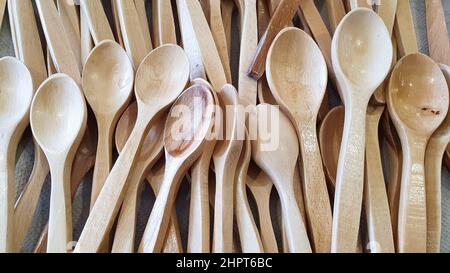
(258,119)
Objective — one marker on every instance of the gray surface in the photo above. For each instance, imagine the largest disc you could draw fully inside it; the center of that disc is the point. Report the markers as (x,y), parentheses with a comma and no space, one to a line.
(81,204)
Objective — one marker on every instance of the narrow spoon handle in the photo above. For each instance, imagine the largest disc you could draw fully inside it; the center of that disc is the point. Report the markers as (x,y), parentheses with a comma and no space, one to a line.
(438,40)
(336,11)
(2,11)
(412,218)
(143,20)
(265,222)
(155,231)
(350,181)
(60,219)
(405,30)
(97,20)
(163,23)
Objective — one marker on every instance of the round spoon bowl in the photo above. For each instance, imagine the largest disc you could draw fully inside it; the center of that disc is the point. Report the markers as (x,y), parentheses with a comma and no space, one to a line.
(419,94)
(362,49)
(189,121)
(296,71)
(108,78)
(15,94)
(58,112)
(165,71)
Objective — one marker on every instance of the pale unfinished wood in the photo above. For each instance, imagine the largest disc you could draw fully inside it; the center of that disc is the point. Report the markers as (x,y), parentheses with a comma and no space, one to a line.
(336,11)
(226,157)
(108,99)
(273,5)
(13,28)
(97,20)
(433,172)
(227,17)
(15,99)
(50,109)
(154,92)
(163,23)
(181,151)
(116,28)
(69,18)
(438,41)
(2,11)
(379,226)
(416,117)
(299,85)
(268,151)
(143,20)
(64,60)
(86,39)
(405,30)
(354,4)
(356,89)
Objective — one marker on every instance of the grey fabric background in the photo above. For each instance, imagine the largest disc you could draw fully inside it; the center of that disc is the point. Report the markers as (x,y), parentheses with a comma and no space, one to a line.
(81,203)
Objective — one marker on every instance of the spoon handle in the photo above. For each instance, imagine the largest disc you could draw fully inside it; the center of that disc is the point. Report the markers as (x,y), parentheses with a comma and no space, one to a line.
(336,11)
(163,23)
(86,39)
(143,20)
(438,40)
(105,209)
(60,219)
(155,231)
(2,11)
(227,18)
(190,43)
(97,20)
(317,200)
(405,30)
(71,24)
(350,180)
(433,170)
(412,219)
(375,196)
(354,4)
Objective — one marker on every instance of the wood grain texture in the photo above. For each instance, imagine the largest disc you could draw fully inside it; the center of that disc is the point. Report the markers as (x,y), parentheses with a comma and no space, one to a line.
(405,30)
(69,16)
(143,20)
(227,18)
(438,41)
(163,23)
(2,11)
(98,22)
(336,11)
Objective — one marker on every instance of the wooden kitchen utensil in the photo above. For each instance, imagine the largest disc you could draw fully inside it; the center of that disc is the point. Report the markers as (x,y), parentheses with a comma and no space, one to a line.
(227,7)
(404,29)
(163,23)
(160,79)
(433,171)
(299,85)
(58,120)
(15,101)
(97,20)
(418,102)
(359,73)
(108,79)
(438,41)
(226,157)
(2,11)
(269,152)
(336,11)
(184,138)
(141,10)
(68,14)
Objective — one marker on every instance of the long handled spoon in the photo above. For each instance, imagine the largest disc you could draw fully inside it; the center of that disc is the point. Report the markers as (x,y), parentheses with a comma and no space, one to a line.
(97,20)
(69,17)
(299,85)
(226,157)
(59,131)
(269,152)
(149,155)
(15,100)
(418,102)
(143,20)
(438,41)
(336,11)
(359,73)
(163,23)
(405,30)
(227,7)
(160,79)
(184,138)
(433,168)
(108,78)
(2,11)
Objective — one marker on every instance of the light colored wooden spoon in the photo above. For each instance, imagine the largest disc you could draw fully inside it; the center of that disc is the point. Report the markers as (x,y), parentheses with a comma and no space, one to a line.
(149,155)
(405,30)
(58,121)
(226,157)
(418,102)
(108,79)
(359,73)
(433,169)
(379,226)
(116,28)
(248,232)
(336,11)
(276,135)
(227,7)
(86,39)
(184,138)
(299,85)
(97,20)
(143,20)
(15,101)
(163,23)
(438,41)
(160,79)
(71,23)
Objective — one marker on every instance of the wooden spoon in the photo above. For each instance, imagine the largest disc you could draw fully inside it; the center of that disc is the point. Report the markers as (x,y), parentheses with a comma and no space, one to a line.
(418,102)
(97,20)
(405,30)
(299,85)
(163,23)
(227,7)
(248,232)
(433,169)
(438,42)
(149,155)
(359,73)
(69,17)
(184,139)
(15,100)
(159,80)
(226,157)
(108,84)
(143,20)
(2,11)
(59,131)
(269,152)
(336,11)
(378,220)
